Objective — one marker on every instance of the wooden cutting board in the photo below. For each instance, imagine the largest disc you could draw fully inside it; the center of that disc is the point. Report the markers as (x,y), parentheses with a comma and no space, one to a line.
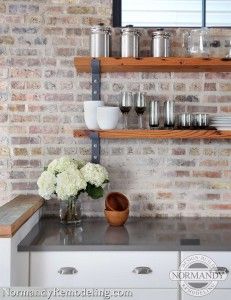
(16,212)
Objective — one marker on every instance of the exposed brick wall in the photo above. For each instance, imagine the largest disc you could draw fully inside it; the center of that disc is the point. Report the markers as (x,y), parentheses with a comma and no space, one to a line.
(41,103)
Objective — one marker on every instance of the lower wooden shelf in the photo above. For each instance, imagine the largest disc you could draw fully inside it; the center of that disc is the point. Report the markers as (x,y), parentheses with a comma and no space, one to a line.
(155,64)
(155,134)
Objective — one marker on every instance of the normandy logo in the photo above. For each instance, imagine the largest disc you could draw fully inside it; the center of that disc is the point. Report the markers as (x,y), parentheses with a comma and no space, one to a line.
(198,275)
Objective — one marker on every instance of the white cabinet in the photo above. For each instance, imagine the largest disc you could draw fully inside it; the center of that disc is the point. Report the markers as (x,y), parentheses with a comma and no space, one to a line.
(221,259)
(214,295)
(104,269)
(14,265)
(157,294)
(223,288)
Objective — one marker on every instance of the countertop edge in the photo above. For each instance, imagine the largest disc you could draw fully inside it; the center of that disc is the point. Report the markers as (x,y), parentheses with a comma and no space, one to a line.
(116,248)
(34,202)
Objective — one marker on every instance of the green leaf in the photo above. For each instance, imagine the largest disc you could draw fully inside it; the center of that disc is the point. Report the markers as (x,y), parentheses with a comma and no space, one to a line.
(94,192)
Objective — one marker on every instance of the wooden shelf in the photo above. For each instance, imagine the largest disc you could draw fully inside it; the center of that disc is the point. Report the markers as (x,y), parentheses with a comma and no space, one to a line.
(151,64)
(156,134)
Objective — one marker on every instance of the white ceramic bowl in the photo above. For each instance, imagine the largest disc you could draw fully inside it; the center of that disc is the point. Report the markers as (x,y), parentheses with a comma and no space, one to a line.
(90,113)
(108,117)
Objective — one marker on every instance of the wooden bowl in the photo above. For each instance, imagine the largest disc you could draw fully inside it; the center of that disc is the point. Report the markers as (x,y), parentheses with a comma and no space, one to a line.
(116,202)
(116,218)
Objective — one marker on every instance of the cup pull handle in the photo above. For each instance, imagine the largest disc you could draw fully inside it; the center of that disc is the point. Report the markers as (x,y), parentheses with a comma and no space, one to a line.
(67,271)
(222,270)
(142,270)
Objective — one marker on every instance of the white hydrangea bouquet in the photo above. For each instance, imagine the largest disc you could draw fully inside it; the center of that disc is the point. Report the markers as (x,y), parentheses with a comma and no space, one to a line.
(68,178)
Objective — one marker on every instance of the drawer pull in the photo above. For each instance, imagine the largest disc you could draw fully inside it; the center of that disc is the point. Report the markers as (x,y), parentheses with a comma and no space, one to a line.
(142,270)
(222,270)
(67,271)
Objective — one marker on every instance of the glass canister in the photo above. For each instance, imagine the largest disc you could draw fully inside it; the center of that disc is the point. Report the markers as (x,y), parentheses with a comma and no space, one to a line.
(100,41)
(130,41)
(197,42)
(160,43)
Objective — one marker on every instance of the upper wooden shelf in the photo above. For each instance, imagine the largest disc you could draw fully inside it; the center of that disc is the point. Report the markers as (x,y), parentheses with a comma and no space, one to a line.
(156,134)
(154,64)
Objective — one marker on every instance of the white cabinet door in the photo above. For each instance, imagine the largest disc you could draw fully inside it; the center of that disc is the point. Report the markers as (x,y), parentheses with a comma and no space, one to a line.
(221,259)
(158,294)
(214,295)
(104,269)
(14,265)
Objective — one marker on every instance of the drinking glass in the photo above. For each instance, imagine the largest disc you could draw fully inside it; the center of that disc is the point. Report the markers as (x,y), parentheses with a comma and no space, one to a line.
(169,118)
(125,107)
(154,114)
(140,107)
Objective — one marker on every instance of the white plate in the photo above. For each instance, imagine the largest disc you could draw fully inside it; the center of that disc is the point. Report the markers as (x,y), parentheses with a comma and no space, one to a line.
(220,119)
(220,124)
(223,119)
(223,128)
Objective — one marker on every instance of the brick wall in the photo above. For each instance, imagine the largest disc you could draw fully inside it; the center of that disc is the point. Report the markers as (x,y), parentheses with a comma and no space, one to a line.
(41,103)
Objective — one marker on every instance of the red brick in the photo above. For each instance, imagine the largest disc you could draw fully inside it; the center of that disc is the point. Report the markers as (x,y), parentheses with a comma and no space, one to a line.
(226,87)
(210,86)
(227,197)
(202,109)
(225,109)
(209,174)
(17,175)
(24,118)
(220,206)
(44,129)
(219,75)
(178,151)
(20,151)
(3,118)
(26,163)
(17,108)
(25,140)
(214,163)
(20,186)
(54,151)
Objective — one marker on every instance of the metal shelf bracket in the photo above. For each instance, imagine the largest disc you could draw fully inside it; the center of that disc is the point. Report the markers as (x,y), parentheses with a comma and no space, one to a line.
(96,79)
(95,147)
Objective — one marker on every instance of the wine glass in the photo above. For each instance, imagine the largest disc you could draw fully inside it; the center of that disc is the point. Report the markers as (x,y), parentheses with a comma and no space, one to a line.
(140,107)
(125,107)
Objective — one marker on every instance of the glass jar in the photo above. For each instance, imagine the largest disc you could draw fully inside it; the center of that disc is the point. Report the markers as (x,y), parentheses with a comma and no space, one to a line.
(70,211)
(197,43)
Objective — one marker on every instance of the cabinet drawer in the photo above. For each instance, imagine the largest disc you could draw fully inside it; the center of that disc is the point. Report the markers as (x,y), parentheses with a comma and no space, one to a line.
(214,295)
(154,294)
(221,259)
(104,269)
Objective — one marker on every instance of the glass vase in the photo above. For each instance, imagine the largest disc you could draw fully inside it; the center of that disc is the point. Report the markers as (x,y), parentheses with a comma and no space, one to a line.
(70,211)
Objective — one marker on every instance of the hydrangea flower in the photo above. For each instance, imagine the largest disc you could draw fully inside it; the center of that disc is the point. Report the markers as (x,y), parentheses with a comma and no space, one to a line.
(46,184)
(63,163)
(70,183)
(67,177)
(95,174)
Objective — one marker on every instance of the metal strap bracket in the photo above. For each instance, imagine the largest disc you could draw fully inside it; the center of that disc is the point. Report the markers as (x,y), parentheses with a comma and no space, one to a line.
(96,79)
(96,85)
(95,150)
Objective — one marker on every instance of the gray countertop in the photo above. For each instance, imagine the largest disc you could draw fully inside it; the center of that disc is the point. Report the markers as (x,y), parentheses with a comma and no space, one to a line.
(139,234)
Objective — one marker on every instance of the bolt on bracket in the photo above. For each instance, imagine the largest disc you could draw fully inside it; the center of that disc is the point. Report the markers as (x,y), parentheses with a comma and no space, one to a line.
(96,79)
(95,150)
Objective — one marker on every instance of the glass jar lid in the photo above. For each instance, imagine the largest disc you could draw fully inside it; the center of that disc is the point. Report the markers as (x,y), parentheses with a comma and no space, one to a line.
(160,33)
(129,29)
(101,28)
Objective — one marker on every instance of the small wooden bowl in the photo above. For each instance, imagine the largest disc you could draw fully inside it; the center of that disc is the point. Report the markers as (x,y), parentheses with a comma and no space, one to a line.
(116,202)
(116,218)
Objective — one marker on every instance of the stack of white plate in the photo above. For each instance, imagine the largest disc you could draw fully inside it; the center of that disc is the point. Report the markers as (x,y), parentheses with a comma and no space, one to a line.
(221,122)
